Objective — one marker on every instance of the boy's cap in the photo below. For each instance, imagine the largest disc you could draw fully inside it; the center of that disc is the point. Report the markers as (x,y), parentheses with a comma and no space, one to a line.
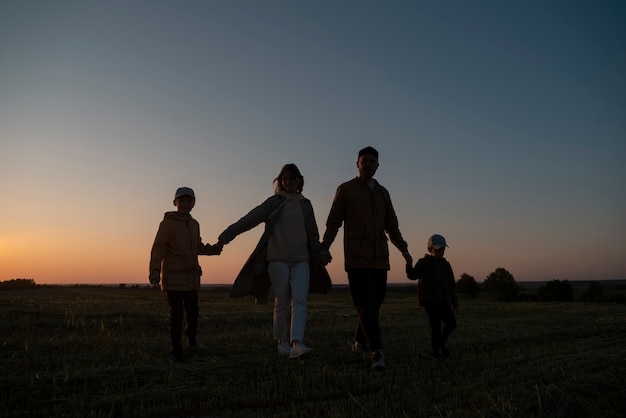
(184,191)
(437,241)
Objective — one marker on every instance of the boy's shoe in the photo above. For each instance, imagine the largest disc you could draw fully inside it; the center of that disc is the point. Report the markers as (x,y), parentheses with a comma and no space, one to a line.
(176,358)
(283,348)
(444,352)
(298,350)
(378,361)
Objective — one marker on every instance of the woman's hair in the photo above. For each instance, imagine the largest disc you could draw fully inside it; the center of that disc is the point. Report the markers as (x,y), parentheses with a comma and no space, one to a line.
(288,169)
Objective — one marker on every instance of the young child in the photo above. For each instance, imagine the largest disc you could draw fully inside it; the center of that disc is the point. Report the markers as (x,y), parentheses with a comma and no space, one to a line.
(174,263)
(436,293)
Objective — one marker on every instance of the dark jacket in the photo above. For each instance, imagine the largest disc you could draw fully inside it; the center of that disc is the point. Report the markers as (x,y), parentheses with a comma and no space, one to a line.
(368,216)
(253,278)
(436,285)
(174,254)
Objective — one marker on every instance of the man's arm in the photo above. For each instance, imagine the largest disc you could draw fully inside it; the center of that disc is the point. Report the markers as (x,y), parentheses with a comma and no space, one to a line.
(334,220)
(333,223)
(393,230)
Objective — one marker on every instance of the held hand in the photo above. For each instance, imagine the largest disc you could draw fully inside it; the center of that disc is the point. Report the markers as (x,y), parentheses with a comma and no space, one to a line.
(408,258)
(325,257)
(154,281)
(217,248)
(212,249)
(409,272)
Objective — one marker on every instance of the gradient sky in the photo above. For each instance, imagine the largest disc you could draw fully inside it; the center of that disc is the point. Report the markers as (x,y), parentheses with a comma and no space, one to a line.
(501,125)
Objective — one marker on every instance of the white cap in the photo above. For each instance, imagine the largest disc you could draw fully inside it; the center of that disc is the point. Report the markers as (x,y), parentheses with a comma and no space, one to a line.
(437,241)
(184,191)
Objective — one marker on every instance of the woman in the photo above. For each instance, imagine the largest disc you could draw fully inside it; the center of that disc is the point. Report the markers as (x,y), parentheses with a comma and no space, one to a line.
(287,256)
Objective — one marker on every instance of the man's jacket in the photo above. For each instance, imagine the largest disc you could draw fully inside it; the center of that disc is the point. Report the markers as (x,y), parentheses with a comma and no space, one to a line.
(367,216)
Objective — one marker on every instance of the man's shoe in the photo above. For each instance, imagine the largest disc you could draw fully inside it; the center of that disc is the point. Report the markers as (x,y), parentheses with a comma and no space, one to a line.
(378,361)
(194,349)
(191,350)
(358,348)
(283,348)
(298,350)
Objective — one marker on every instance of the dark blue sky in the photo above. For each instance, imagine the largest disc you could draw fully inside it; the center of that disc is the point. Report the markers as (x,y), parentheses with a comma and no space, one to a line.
(500,125)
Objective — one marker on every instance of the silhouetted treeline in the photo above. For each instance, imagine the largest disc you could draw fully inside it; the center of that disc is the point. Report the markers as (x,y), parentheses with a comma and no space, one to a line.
(18,284)
(500,285)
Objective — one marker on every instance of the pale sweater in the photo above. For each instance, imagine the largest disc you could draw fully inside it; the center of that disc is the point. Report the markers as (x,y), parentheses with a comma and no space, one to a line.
(288,241)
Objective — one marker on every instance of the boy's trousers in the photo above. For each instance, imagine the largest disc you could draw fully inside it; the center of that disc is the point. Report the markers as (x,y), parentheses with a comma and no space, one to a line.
(181,303)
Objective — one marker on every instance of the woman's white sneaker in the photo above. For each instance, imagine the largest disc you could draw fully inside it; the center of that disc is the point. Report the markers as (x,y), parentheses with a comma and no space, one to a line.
(298,350)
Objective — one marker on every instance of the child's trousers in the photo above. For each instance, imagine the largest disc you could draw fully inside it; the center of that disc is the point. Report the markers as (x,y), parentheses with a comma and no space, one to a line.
(437,315)
(181,303)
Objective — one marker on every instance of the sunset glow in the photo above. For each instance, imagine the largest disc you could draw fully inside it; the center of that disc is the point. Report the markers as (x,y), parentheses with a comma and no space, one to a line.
(500,126)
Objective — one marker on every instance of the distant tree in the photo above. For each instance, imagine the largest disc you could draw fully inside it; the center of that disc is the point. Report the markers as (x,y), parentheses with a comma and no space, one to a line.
(556,291)
(594,293)
(17,284)
(501,284)
(467,284)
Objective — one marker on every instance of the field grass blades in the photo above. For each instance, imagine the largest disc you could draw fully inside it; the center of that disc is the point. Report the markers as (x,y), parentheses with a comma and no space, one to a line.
(103,352)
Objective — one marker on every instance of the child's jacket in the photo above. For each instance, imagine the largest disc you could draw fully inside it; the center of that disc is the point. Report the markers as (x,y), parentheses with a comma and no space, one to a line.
(436,285)
(174,255)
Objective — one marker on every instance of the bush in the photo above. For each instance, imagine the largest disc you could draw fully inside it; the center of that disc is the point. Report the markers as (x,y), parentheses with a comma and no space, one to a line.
(467,284)
(501,284)
(556,291)
(594,293)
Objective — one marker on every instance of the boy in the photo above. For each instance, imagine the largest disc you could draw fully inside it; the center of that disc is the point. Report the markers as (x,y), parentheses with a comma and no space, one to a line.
(174,263)
(436,293)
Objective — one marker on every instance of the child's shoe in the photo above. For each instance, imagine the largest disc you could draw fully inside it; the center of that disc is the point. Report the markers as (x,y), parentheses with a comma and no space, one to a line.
(444,352)
(378,361)
(176,358)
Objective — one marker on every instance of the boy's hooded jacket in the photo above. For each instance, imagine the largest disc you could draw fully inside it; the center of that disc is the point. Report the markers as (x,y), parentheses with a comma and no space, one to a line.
(253,278)
(436,285)
(174,255)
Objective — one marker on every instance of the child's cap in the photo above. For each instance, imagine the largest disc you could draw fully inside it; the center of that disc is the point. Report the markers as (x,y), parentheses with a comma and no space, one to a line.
(184,191)
(437,241)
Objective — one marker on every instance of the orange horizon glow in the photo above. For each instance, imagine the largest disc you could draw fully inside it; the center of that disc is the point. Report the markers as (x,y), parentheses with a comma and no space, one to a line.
(47,261)
(113,253)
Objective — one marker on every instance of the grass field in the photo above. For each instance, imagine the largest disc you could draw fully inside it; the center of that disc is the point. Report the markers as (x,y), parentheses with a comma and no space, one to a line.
(103,352)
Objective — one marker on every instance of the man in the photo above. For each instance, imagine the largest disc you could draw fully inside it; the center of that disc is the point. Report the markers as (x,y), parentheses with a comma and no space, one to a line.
(364,207)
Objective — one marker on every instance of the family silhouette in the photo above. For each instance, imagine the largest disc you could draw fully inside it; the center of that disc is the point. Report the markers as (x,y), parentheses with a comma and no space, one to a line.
(290,260)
